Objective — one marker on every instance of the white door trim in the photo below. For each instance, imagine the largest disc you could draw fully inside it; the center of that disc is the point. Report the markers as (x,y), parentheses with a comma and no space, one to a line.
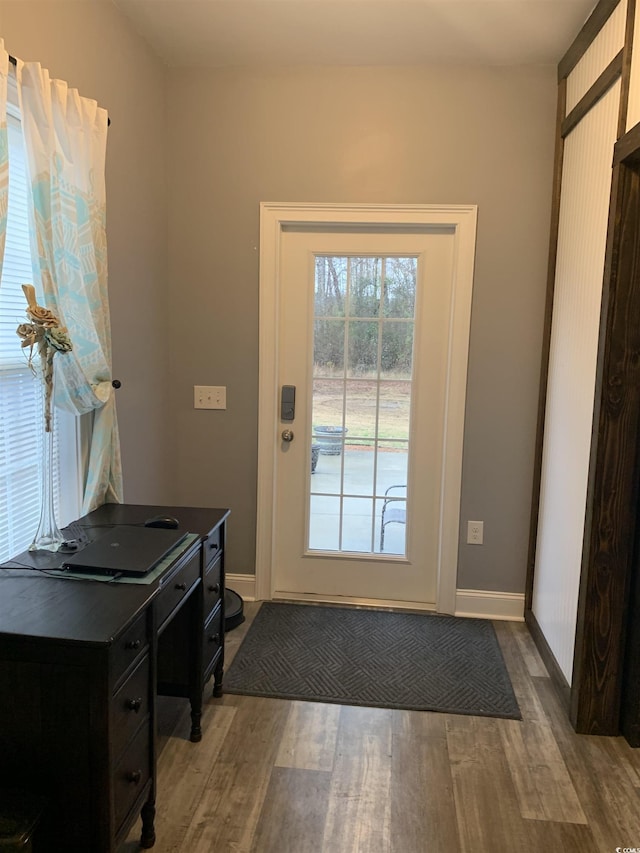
(274,217)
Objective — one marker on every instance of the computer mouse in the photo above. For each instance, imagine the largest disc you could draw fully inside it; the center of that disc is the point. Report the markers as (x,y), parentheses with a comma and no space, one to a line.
(168,522)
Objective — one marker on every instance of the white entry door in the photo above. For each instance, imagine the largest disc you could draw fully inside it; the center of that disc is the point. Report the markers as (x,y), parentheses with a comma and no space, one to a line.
(366,326)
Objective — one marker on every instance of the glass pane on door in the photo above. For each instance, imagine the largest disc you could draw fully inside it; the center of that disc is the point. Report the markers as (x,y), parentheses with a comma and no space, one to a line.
(361,406)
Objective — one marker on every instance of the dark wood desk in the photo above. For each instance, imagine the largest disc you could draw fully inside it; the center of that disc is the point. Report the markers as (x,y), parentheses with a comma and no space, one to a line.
(81,662)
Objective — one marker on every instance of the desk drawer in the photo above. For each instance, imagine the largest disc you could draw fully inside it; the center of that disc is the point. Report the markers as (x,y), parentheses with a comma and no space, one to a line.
(177,588)
(129,707)
(212,546)
(131,774)
(128,646)
(212,640)
(212,587)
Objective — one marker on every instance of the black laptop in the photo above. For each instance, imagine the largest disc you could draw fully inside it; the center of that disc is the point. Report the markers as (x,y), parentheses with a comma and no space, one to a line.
(125,549)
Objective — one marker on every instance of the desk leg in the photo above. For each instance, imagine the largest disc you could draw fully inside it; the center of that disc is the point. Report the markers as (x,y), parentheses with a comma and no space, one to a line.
(148,814)
(196,717)
(197,687)
(217,678)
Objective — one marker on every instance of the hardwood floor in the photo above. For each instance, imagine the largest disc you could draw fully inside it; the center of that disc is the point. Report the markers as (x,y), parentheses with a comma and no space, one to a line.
(272,776)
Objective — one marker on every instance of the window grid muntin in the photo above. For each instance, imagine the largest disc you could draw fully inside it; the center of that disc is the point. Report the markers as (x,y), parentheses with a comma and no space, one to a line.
(382,320)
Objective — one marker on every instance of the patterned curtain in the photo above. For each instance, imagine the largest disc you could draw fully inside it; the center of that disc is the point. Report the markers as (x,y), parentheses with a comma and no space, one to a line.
(4,148)
(65,139)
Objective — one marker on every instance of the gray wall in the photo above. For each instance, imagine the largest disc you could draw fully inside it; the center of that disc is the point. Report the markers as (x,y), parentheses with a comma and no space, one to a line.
(389,135)
(226,140)
(93,48)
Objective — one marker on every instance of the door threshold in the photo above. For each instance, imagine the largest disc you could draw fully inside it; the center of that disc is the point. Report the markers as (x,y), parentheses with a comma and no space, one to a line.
(354,601)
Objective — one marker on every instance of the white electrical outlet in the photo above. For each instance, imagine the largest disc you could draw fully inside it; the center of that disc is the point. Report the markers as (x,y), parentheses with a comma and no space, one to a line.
(475,532)
(209,397)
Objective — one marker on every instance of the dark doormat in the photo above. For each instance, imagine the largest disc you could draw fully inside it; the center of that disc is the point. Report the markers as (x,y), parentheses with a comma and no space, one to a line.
(421,662)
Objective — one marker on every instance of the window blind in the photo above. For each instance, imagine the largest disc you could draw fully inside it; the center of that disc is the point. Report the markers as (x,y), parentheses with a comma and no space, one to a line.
(21,416)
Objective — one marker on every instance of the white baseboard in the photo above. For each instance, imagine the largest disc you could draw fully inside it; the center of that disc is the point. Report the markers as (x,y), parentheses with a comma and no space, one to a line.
(477,603)
(244,585)
(484,604)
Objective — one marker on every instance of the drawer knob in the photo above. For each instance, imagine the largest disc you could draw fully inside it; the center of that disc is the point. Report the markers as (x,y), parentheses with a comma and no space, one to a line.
(133,644)
(134,776)
(214,638)
(214,587)
(134,704)
(214,546)
(181,586)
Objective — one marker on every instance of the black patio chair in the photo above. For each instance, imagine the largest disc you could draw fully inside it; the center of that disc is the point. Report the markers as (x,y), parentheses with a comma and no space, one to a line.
(393,514)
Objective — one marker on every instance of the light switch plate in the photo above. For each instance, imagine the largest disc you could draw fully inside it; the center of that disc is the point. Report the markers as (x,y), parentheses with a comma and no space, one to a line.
(209,397)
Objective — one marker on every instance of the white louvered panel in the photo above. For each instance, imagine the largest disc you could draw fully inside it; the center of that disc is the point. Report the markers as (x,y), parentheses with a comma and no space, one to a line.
(607,44)
(21,417)
(633,108)
(584,206)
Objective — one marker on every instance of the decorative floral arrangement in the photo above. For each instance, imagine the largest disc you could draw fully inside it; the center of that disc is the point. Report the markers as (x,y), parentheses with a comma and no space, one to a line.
(44,335)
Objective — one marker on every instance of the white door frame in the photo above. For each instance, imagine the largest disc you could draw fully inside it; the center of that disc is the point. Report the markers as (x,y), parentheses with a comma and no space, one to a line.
(274,217)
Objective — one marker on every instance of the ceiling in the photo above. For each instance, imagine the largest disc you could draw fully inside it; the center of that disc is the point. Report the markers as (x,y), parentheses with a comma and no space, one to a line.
(227,33)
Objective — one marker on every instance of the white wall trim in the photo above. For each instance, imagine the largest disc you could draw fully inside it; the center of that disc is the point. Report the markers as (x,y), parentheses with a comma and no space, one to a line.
(484,604)
(244,585)
(475,603)
(274,217)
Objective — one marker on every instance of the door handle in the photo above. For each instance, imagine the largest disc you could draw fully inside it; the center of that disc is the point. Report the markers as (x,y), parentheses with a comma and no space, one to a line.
(287,435)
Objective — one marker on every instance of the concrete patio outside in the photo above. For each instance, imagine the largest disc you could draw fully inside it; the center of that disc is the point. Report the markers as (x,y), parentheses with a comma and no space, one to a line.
(361,513)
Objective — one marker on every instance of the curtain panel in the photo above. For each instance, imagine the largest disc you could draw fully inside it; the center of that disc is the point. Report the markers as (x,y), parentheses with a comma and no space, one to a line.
(65,139)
